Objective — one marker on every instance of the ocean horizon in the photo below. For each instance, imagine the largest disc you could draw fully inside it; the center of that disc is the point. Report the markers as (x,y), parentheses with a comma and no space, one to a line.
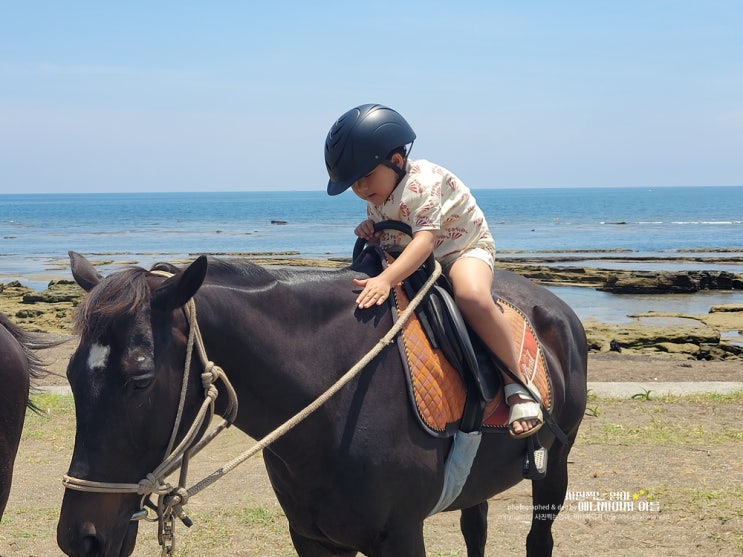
(37,230)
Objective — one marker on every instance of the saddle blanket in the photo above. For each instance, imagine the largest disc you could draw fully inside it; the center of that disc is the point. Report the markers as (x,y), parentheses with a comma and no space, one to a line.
(437,389)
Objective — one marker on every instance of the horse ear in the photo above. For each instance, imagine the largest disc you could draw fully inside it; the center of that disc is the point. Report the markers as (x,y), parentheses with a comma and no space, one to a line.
(180,288)
(83,271)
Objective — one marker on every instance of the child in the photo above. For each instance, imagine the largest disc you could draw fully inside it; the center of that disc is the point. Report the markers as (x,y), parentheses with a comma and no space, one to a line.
(366,150)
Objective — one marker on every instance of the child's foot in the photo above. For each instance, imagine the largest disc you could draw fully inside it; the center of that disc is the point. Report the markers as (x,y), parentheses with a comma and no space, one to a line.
(525,416)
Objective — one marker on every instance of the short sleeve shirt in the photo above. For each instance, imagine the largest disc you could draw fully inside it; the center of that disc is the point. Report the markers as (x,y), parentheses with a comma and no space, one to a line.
(430,197)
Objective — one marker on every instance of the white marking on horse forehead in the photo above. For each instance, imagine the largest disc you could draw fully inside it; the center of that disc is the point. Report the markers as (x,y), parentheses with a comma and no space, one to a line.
(98,356)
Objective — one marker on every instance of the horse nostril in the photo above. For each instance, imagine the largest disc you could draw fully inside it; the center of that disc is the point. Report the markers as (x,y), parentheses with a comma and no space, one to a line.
(90,544)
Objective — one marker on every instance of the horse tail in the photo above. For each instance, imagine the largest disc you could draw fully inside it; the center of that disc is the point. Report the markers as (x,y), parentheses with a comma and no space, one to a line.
(31,343)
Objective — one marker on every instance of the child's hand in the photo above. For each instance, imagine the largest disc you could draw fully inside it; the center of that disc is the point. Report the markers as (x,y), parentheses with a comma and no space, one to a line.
(365,230)
(376,291)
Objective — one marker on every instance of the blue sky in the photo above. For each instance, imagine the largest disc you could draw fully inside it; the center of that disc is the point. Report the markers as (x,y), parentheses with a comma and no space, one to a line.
(224,96)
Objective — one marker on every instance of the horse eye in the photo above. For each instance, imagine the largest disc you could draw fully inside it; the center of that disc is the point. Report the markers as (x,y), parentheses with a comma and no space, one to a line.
(141,382)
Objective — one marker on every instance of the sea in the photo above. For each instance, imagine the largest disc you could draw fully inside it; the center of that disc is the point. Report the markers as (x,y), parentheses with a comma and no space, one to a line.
(37,231)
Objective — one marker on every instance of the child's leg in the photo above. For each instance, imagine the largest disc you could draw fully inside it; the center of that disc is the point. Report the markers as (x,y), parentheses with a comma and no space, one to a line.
(472,279)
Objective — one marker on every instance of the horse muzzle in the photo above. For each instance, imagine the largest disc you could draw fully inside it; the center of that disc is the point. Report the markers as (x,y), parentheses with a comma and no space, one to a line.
(88,528)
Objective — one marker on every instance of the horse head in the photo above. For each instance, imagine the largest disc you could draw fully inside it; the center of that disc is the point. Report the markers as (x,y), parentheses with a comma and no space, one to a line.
(126,376)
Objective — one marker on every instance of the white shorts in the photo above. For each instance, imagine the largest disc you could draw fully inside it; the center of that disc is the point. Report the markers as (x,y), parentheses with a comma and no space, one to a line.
(483,254)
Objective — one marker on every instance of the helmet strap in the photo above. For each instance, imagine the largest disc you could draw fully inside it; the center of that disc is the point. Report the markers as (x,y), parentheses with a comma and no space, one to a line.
(399,171)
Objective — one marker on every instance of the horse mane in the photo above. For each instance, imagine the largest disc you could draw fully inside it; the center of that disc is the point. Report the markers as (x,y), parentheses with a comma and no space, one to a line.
(121,293)
(256,275)
(220,269)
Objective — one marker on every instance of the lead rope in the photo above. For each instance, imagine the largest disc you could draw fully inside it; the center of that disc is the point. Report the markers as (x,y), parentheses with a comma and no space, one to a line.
(171,500)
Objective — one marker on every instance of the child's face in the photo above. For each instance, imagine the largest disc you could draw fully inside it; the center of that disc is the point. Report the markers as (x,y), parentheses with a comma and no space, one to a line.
(378,185)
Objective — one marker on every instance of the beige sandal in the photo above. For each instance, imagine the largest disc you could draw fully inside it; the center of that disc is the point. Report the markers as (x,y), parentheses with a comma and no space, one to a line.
(530,409)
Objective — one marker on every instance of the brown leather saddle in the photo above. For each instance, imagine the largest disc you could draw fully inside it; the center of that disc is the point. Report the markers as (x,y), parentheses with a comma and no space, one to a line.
(450,395)
(453,380)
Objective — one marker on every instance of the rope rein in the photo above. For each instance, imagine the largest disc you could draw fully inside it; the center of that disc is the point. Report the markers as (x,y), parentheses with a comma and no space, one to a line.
(172,499)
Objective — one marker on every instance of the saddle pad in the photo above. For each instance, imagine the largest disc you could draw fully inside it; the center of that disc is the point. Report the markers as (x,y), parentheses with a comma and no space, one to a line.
(437,389)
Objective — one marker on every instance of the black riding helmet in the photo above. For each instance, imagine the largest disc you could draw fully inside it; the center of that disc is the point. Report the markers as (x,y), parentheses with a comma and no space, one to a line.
(361,139)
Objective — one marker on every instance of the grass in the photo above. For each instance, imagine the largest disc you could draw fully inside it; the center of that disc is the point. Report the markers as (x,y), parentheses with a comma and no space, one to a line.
(658,432)
(727,502)
(54,421)
(259,516)
(680,444)
(647,420)
(54,403)
(212,531)
(36,521)
(650,396)
(645,395)
(724,504)
(700,503)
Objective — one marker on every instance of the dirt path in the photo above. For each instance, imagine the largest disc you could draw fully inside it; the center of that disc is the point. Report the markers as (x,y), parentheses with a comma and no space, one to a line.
(647,477)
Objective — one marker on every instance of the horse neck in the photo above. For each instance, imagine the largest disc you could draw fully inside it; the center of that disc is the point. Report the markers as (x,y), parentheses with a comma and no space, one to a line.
(273,316)
(278,345)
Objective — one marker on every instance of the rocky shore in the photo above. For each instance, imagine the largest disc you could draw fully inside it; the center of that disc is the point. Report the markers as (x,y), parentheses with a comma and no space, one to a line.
(717,335)
(548,271)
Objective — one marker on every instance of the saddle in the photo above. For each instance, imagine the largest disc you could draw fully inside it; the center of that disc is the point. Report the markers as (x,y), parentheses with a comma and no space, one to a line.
(454,381)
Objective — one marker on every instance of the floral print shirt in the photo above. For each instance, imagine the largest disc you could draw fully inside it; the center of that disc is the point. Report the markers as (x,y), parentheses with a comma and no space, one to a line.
(430,197)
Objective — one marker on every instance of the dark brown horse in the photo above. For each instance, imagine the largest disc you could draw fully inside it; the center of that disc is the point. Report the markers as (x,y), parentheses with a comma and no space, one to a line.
(19,364)
(359,474)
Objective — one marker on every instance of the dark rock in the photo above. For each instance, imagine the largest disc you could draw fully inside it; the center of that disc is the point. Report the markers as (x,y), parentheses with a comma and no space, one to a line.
(626,282)
(29,313)
(636,337)
(58,291)
(658,282)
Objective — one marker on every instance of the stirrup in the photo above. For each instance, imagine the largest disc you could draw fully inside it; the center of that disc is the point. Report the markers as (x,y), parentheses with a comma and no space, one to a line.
(535,460)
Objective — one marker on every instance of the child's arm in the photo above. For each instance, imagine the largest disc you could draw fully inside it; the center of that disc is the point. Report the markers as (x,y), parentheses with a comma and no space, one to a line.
(377,289)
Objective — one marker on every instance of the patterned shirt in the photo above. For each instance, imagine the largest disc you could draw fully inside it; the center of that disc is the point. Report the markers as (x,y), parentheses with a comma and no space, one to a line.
(430,197)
